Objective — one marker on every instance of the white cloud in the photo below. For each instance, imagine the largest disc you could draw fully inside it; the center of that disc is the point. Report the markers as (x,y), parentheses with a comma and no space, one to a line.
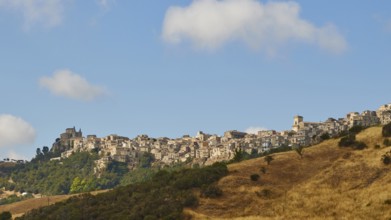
(68,84)
(209,24)
(15,131)
(48,13)
(254,130)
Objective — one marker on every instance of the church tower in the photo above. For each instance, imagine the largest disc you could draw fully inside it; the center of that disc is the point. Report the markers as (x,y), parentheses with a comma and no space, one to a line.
(297,122)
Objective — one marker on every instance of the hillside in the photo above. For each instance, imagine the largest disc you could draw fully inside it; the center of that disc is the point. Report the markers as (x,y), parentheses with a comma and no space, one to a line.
(19,208)
(327,183)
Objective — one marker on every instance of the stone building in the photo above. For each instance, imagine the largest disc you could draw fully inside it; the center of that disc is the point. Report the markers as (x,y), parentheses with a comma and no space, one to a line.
(384,114)
(205,149)
(234,134)
(67,140)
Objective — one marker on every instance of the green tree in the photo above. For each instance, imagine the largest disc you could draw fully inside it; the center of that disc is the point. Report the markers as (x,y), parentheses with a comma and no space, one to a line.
(254,177)
(238,156)
(356,129)
(38,152)
(386,158)
(6,216)
(211,191)
(77,185)
(325,136)
(146,160)
(268,159)
(299,150)
(45,150)
(347,141)
(386,131)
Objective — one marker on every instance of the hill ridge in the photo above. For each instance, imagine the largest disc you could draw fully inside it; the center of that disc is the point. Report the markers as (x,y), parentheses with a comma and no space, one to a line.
(328,183)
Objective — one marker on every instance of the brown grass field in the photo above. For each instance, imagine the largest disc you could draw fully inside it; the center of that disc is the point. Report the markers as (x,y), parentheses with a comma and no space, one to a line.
(327,183)
(19,208)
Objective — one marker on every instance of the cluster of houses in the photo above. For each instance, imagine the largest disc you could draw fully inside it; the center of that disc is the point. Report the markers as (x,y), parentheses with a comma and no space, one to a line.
(204,149)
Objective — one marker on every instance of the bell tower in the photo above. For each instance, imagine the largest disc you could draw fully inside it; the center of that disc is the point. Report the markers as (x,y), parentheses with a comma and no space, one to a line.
(297,122)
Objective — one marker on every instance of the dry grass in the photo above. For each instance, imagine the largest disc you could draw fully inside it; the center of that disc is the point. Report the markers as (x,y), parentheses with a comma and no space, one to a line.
(19,208)
(327,183)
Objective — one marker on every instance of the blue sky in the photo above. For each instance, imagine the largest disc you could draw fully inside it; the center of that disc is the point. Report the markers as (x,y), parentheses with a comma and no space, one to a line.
(168,68)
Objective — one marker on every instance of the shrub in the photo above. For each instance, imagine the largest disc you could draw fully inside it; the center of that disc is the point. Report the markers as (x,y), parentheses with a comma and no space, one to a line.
(350,141)
(356,129)
(358,145)
(14,198)
(211,191)
(387,142)
(268,159)
(386,158)
(347,141)
(377,146)
(325,136)
(265,193)
(190,200)
(387,201)
(386,131)
(299,150)
(6,216)
(263,170)
(342,134)
(238,156)
(254,177)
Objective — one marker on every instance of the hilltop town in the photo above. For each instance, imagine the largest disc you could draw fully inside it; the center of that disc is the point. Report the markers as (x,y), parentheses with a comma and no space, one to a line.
(204,149)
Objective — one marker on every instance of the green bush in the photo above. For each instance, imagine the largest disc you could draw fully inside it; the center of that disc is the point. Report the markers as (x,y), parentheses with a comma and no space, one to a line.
(162,197)
(347,141)
(265,193)
(387,142)
(386,158)
(356,129)
(56,177)
(358,145)
(211,191)
(14,198)
(268,159)
(190,200)
(254,177)
(386,131)
(6,216)
(299,150)
(342,134)
(350,141)
(325,136)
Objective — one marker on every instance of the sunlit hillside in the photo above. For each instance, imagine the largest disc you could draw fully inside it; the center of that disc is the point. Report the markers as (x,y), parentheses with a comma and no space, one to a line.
(327,183)
(19,208)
